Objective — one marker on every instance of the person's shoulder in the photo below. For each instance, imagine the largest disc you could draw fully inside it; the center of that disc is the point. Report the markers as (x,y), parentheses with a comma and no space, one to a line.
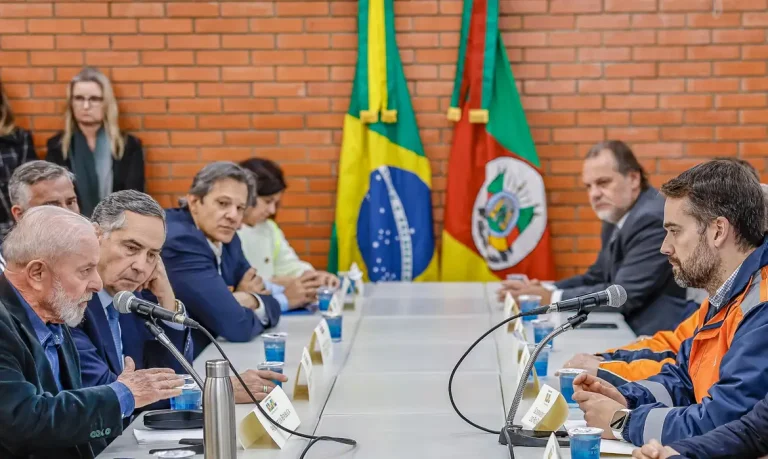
(181,230)
(649,207)
(132,142)
(55,139)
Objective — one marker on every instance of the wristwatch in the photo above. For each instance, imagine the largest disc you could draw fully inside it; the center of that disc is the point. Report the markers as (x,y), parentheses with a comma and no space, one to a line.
(619,422)
(179,307)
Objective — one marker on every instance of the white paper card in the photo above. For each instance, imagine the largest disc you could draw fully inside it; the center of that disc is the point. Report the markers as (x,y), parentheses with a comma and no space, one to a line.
(616,447)
(552,451)
(510,306)
(335,306)
(306,369)
(280,409)
(323,334)
(540,408)
(345,283)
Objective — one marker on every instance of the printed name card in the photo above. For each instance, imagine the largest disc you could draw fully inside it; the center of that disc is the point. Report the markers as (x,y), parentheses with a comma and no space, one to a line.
(322,338)
(552,451)
(334,307)
(524,358)
(548,412)
(303,383)
(256,431)
(510,309)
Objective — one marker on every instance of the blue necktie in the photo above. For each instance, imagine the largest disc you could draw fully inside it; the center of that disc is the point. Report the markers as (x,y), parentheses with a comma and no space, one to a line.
(113,317)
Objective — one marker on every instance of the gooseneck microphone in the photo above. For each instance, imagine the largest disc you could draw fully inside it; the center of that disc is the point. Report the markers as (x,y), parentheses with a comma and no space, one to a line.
(127,302)
(614,296)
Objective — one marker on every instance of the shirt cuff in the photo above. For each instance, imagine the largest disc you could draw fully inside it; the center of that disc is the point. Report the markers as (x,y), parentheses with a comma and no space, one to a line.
(557,295)
(278,293)
(261,311)
(174,325)
(125,397)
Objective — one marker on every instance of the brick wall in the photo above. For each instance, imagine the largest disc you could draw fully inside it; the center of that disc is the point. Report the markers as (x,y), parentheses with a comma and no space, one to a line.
(228,80)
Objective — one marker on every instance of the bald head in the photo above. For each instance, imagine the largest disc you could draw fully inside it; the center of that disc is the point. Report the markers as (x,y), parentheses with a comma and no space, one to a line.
(51,256)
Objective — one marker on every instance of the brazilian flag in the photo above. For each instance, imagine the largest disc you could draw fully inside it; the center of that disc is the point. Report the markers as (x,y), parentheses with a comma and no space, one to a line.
(384,205)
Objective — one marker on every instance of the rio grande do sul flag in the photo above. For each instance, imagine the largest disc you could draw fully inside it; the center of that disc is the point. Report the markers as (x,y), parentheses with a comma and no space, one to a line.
(496,210)
(384,205)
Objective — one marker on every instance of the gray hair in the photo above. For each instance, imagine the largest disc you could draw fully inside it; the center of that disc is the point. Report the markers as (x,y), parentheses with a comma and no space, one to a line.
(46,233)
(220,170)
(109,214)
(31,173)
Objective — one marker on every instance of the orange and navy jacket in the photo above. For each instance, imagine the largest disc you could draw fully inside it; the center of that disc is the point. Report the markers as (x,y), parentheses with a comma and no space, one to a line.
(644,358)
(720,372)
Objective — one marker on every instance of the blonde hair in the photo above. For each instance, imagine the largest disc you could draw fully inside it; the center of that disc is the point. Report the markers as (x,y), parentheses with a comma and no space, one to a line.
(111,125)
(7,124)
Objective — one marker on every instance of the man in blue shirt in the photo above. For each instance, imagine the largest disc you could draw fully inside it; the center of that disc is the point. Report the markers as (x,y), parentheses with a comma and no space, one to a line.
(52,255)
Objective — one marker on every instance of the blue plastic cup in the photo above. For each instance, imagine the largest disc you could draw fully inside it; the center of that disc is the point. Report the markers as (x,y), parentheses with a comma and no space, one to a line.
(527,303)
(585,442)
(334,325)
(277,367)
(567,375)
(542,328)
(324,295)
(191,397)
(274,346)
(542,361)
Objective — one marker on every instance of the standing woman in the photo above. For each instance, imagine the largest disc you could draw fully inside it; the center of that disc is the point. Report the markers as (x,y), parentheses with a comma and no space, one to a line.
(16,148)
(92,146)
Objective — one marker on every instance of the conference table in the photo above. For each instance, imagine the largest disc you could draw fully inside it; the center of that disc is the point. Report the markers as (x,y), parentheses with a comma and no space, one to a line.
(386,384)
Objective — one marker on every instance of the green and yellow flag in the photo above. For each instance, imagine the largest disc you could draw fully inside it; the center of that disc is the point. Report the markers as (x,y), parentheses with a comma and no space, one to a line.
(384,205)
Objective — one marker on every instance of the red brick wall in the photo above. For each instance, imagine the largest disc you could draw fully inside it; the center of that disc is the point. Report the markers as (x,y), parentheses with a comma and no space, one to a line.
(228,80)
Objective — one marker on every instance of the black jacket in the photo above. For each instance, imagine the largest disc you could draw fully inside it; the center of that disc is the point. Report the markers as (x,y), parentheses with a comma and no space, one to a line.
(16,149)
(37,421)
(128,172)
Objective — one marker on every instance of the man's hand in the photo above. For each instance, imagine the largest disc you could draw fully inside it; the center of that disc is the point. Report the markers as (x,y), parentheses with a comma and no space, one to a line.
(150,386)
(588,383)
(256,380)
(299,293)
(653,450)
(587,362)
(160,286)
(521,287)
(251,283)
(246,300)
(329,280)
(598,410)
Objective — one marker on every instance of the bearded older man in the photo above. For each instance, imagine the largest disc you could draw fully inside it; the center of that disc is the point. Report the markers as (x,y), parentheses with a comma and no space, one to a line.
(52,255)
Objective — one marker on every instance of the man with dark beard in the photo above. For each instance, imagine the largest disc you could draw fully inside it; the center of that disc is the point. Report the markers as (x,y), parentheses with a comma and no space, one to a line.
(714,216)
(45,413)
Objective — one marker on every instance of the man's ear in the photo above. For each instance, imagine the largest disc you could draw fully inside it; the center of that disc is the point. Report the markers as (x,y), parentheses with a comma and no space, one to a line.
(37,274)
(17,212)
(721,229)
(99,230)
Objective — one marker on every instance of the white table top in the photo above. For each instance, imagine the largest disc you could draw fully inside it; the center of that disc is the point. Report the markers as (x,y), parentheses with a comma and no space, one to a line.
(387,384)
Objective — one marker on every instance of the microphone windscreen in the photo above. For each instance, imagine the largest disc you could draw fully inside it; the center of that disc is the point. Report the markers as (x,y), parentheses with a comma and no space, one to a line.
(122,301)
(617,296)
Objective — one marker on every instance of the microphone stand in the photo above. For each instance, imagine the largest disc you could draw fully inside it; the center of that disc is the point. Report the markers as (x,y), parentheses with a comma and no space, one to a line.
(160,336)
(514,435)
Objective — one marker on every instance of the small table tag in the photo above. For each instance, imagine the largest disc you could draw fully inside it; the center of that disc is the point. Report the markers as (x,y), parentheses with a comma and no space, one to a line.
(303,386)
(256,431)
(548,412)
(552,451)
(321,337)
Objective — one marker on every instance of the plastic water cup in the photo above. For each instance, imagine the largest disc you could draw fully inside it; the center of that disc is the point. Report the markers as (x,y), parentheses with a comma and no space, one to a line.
(567,375)
(324,295)
(334,326)
(274,346)
(527,303)
(277,367)
(542,328)
(585,442)
(542,361)
(191,397)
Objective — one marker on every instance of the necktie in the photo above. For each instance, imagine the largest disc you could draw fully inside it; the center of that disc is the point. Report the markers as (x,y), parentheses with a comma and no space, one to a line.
(113,317)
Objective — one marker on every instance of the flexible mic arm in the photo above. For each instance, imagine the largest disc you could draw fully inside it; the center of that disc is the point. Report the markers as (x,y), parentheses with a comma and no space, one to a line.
(160,336)
(509,428)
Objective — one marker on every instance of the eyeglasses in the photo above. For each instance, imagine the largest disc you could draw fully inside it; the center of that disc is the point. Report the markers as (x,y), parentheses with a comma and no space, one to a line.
(81,100)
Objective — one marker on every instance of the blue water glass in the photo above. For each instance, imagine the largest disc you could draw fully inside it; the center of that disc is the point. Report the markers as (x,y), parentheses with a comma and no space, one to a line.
(191,397)
(277,367)
(274,346)
(334,325)
(542,328)
(324,295)
(527,303)
(542,361)
(567,375)
(585,442)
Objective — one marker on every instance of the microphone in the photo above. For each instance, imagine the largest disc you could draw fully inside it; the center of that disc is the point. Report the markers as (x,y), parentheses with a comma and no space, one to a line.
(614,296)
(126,302)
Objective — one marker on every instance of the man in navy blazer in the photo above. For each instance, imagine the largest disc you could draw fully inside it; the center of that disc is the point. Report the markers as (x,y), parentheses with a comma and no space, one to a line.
(131,230)
(205,262)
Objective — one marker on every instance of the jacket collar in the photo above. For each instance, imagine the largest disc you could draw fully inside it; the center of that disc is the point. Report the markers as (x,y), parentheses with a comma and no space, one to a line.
(754,262)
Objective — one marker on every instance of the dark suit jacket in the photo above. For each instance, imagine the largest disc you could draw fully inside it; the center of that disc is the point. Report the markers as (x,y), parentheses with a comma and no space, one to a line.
(128,172)
(191,267)
(634,261)
(99,362)
(39,421)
